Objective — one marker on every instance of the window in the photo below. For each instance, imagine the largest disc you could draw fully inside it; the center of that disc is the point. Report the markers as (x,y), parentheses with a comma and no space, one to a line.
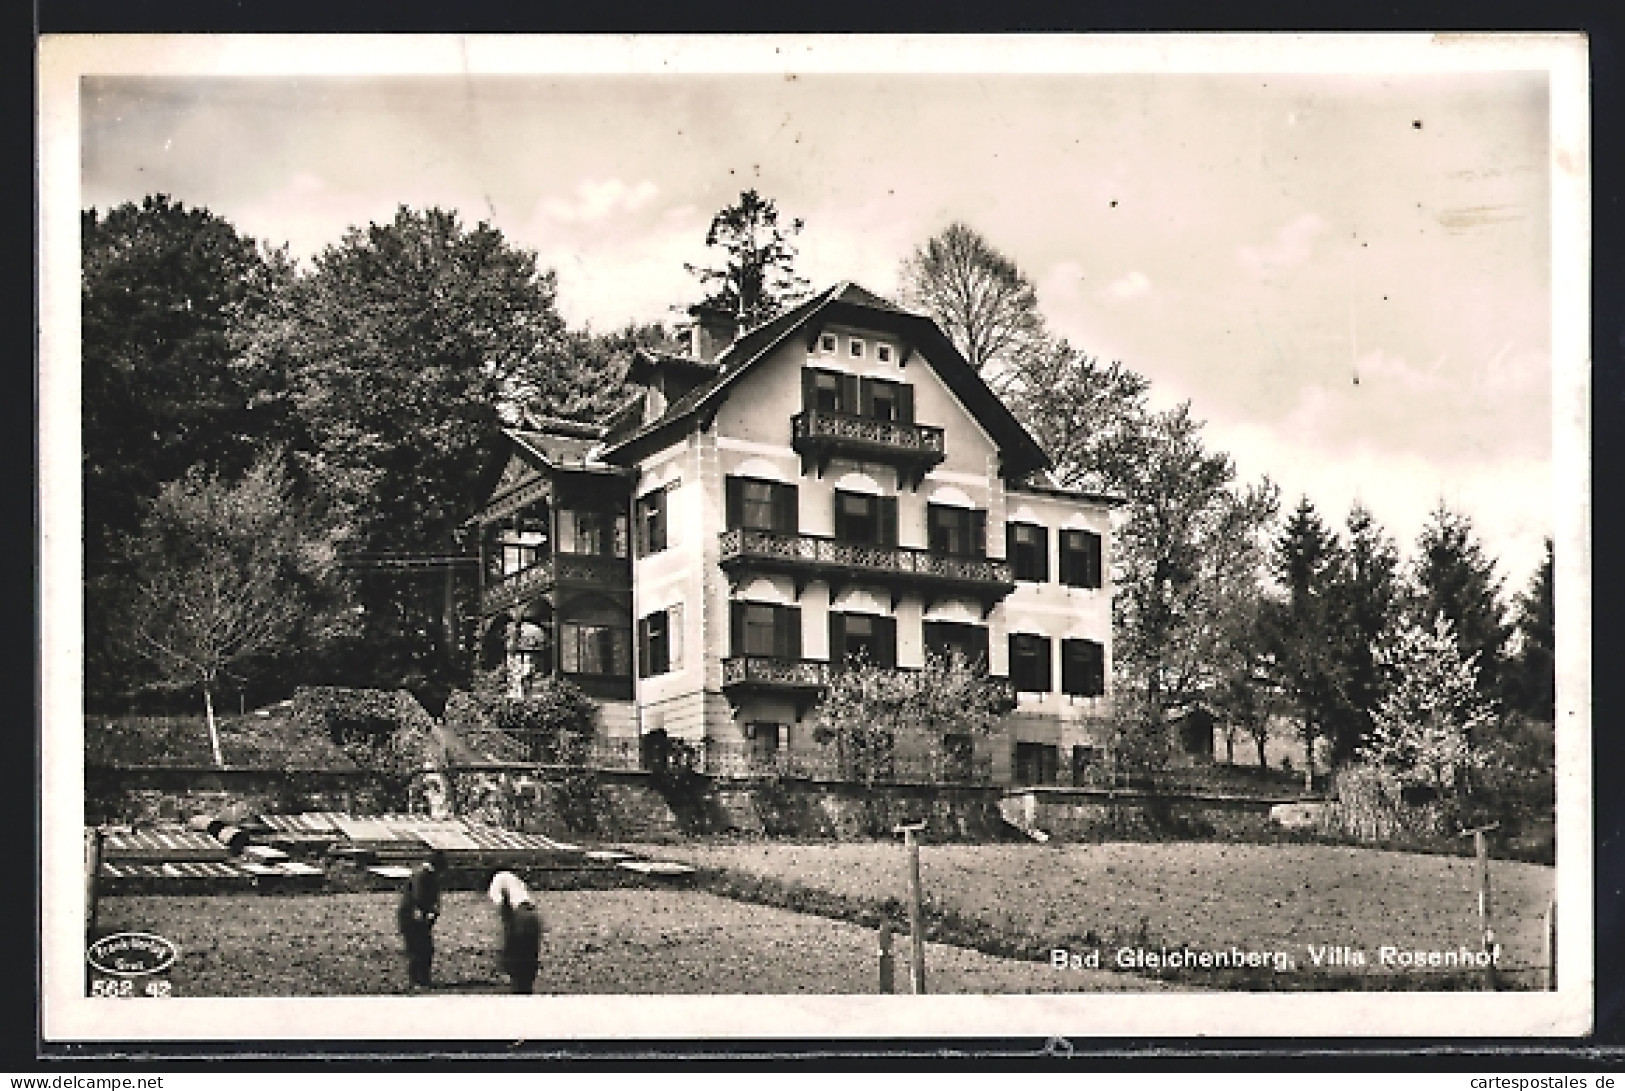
(764,739)
(1029,662)
(865,520)
(660,642)
(854,347)
(1027,546)
(961,532)
(827,392)
(1080,558)
(595,533)
(761,505)
(1083,668)
(832,392)
(970,641)
(766,630)
(826,342)
(649,528)
(883,353)
(1036,763)
(1084,760)
(520,550)
(882,399)
(866,636)
(594,649)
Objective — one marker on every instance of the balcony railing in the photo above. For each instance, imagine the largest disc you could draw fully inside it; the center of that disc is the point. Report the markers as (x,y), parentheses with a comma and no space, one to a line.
(772,672)
(549,572)
(845,429)
(806,555)
(912,448)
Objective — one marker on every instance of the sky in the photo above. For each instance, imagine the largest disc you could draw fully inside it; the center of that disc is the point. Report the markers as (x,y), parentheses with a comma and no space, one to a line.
(1349,276)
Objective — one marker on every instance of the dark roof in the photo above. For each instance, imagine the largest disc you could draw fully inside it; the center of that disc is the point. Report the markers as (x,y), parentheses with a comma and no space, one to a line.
(557,449)
(1043,489)
(845,303)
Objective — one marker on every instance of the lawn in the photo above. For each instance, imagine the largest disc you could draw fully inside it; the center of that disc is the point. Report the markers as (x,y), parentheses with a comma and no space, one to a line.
(598,941)
(1024,900)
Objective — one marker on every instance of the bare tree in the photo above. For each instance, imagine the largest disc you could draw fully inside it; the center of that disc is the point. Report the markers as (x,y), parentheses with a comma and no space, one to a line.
(226,573)
(986,305)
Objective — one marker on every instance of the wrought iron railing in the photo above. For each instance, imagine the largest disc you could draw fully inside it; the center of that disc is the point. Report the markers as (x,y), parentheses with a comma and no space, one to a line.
(796,550)
(826,764)
(923,439)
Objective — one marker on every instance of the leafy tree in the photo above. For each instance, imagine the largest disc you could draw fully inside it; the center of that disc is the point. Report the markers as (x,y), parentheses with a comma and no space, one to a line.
(589,381)
(757,278)
(1429,722)
(391,364)
(1245,690)
(867,708)
(1190,541)
(1456,579)
(1089,418)
(1365,598)
(985,304)
(1532,681)
(165,294)
(1309,563)
(226,574)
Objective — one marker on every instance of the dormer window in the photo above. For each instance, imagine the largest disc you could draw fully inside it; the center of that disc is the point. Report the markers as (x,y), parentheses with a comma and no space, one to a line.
(855,347)
(883,353)
(826,343)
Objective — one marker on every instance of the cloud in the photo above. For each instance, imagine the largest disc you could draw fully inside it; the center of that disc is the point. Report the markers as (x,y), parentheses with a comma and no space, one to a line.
(1127,287)
(1290,248)
(595,200)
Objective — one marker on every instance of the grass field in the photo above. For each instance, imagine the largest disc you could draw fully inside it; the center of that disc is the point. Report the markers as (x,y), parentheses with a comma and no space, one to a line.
(598,941)
(1023,900)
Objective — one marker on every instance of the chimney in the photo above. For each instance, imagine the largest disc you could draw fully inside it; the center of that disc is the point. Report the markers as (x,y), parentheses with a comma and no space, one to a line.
(714,330)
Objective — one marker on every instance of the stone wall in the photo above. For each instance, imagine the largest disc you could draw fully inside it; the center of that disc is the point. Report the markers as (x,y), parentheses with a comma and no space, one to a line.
(1088,814)
(560,801)
(849,811)
(129,795)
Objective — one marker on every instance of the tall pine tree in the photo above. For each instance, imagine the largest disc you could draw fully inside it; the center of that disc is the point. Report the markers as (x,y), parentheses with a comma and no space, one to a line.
(1532,676)
(1455,579)
(1309,564)
(1366,597)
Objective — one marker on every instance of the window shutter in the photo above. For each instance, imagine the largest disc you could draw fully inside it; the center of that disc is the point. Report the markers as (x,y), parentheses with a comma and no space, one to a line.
(905,403)
(567,531)
(640,527)
(643,647)
(736,627)
(886,633)
(866,397)
(734,502)
(887,510)
(837,638)
(1010,543)
(849,394)
(674,636)
(785,516)
(787,632)
(978,644)
(809,390)
(1042,644)
(1043,554)
(1092,574)
(978,533)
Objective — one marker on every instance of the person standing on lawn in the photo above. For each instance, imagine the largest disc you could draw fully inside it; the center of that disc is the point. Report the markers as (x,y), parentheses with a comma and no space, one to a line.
(416,913)
(521,930)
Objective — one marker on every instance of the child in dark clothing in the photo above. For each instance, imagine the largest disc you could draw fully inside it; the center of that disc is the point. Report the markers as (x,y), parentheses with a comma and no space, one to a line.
(521,930)
(416,913)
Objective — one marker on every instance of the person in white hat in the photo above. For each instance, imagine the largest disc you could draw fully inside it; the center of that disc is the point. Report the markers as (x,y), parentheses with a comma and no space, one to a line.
(521,930)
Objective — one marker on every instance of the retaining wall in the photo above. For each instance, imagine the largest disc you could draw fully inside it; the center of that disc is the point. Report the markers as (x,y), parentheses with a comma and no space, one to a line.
(1089,814)
(173,794)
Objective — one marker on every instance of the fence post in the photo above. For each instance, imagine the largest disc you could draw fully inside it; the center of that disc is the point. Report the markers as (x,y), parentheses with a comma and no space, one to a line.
(1551,945)
(1486,933)
(916,926)
(888,964)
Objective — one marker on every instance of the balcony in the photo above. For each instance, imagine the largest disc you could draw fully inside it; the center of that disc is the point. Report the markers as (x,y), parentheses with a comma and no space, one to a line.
(803,680)
(550,572)
(901,569)
(912,448)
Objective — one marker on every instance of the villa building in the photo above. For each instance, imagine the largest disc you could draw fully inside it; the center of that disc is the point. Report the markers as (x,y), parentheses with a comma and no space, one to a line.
(836,481)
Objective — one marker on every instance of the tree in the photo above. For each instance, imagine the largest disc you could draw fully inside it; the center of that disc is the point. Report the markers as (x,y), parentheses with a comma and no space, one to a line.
(1428,723)
(1243,693)
(757,279)
(589,381)
(391,364)
(866,709)
(1089,418)
(227,574)
(165,295)
(1190,541)
(1309,563)
(1365,597)
(985,304)
(1532,682)
(1455,578)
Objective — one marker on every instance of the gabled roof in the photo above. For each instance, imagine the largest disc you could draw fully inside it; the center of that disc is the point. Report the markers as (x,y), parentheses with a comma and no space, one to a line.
(847,304)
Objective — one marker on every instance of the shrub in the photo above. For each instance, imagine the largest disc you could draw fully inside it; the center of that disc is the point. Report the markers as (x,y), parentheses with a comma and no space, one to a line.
(1370,805)
(552,723)
(385,731)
